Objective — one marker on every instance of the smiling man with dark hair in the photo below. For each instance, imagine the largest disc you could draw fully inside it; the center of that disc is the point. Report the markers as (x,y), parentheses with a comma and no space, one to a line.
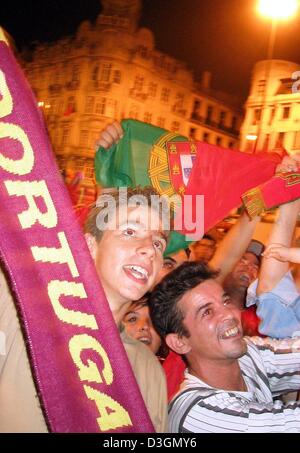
(230,380)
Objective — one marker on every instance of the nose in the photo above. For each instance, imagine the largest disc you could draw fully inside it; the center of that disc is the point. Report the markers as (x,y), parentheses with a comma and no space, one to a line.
(146,247)
(143,326)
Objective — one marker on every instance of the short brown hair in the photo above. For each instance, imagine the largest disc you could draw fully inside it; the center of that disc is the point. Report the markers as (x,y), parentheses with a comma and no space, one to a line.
(147,192)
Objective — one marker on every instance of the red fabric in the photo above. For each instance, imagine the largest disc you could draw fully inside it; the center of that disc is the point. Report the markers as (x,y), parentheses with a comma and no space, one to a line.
(223,176)
(250,322)
(174,368)
(280,189)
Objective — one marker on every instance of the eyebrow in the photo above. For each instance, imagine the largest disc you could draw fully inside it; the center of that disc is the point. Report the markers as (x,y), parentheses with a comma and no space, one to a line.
(137,224)
(202,307)
(169,258)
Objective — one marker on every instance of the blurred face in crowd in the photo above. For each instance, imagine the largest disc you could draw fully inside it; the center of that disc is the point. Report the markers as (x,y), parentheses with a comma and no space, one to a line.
(246,270)
(129,257)
(203,250)
(172,262)
(138,325)
(213,322)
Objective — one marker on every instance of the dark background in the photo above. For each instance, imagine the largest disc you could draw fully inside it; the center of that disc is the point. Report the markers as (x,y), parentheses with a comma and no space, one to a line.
(225,37)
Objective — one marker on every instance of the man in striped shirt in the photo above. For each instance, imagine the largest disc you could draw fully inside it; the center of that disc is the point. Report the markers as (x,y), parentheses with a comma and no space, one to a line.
(231,380)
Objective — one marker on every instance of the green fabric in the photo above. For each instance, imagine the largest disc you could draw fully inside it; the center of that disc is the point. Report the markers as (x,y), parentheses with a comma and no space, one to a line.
(126,164)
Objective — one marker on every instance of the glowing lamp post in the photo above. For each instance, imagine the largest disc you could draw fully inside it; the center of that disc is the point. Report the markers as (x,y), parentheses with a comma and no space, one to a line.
(275,10)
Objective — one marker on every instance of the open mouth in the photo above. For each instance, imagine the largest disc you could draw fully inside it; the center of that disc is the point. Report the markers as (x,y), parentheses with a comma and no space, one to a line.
(245,278)
(233,332)
(137,273)
(145,340)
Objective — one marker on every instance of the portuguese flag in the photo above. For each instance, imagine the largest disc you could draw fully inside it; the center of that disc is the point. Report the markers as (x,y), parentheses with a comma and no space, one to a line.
(148,155)
(140,158)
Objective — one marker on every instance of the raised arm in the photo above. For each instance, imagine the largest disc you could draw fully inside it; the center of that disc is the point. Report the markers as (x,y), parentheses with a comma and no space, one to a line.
(232,247)
(282,253)
(272,270)
(110,135)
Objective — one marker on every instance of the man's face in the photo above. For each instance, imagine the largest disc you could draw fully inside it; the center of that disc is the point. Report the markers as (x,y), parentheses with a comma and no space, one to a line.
(203,250)
(138,325)
(246,270)
(213,322)
(129,257)
(172,262)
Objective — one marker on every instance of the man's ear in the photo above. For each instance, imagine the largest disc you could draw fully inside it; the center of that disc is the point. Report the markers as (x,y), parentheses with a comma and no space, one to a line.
(92,244)
(178,344)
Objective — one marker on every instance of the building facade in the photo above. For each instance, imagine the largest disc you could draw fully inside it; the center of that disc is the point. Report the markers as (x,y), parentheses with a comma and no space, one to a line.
(111,70)
(272,117)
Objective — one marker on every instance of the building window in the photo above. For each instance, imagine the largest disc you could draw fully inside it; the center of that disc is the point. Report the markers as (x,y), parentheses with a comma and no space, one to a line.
(89,172)
(222,118)
(134,112)
(100,106)
(261,86)
(84,139)
(286,112)
(219,141)
(161,121)
(250,146)
(105,72)
(272,114)
(179,100)
(280,140)
(138,83)
(148,117)
(152,89)
(71,106)
(192,133)
(256,116)
(234,123)
(65,136)
(89,104)
(209,112)
(175,126)
(297,141)
(75,73)
(196,109)
(206,137)
(266,141)
(95,73)
(117,76)
(165,94)
(230,145)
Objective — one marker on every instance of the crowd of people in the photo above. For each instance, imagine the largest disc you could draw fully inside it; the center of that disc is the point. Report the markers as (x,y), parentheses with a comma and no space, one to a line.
(183,319)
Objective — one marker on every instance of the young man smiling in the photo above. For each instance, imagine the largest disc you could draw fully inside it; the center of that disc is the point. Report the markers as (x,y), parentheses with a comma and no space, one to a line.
(231,380)
(126,238)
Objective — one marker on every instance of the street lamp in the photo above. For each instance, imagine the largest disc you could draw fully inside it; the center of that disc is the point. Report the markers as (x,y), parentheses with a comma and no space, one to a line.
(275,10)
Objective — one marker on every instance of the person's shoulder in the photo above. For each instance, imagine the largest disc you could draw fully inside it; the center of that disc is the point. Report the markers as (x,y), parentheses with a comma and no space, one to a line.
(138,352)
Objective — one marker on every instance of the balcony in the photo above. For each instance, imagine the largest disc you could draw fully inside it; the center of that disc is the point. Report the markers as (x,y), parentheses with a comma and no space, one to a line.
(138,94)
(195,118)
(55,88)
(72,85)
(101,86)
(179,111)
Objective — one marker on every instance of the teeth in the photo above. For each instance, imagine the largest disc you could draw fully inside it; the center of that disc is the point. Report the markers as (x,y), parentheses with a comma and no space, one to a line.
(145,340)
(231,332)
(139,271)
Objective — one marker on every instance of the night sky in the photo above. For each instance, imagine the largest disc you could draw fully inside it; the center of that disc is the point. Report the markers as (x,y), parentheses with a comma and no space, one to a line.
(224,36)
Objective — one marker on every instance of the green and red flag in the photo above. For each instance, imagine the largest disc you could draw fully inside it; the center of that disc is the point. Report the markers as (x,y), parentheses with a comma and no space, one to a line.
(148,155)
(140,158)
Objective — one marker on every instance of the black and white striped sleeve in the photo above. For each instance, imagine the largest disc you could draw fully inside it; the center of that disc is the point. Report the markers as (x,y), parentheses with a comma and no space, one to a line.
(224,412)
(281,359)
